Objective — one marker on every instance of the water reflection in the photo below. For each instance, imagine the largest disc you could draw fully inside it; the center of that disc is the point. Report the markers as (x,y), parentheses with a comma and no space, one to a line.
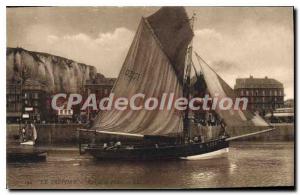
(254,164)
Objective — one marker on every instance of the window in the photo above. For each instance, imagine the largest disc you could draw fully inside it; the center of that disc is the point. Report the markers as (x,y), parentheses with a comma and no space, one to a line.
(242,92)
(36,95)
(10,98)
(275,92)
(10,107)
(263,92)
(247,92)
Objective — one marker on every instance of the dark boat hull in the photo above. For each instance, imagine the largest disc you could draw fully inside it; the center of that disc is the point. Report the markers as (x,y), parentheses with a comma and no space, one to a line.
(25,154)
(160,152)
(22,157)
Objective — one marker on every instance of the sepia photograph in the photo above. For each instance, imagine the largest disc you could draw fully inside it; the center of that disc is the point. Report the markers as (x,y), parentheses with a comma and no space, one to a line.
(150,97)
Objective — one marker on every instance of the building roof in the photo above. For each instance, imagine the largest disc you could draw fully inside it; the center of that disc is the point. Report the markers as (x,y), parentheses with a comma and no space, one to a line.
(242,83)
(101,80)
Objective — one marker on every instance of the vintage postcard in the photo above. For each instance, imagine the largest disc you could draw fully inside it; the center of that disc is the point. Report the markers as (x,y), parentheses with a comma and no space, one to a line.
(150,97)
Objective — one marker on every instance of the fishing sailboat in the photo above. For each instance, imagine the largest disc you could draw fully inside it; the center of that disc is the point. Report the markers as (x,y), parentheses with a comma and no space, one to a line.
(159,61)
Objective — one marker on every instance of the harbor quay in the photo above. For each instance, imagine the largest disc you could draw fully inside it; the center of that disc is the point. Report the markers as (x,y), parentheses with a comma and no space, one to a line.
(61,134)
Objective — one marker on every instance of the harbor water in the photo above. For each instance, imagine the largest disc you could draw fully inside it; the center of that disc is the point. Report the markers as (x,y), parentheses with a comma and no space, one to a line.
(248,164)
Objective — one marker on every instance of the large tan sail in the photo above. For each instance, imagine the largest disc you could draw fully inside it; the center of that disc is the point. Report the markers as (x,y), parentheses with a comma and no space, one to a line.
(218,87)
(148,69)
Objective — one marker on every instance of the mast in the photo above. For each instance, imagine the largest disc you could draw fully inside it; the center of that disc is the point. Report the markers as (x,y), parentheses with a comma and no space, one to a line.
(186,86)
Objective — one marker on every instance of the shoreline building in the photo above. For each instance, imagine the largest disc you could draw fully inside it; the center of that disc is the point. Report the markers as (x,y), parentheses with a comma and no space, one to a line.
(100,86)
(13,101)
(282,115)
(28,97)
(264,94)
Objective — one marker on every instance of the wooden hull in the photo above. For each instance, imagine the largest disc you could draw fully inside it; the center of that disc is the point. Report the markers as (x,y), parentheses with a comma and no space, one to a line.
(160,152)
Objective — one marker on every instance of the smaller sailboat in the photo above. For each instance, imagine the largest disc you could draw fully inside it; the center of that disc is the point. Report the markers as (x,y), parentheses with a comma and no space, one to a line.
(159,61)
(31,130)
(25,149)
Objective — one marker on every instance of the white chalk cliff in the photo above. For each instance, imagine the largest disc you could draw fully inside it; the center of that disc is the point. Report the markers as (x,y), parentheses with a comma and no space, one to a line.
(56,73)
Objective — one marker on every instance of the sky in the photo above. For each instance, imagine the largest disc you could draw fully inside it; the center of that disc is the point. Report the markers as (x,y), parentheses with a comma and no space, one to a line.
(236,41)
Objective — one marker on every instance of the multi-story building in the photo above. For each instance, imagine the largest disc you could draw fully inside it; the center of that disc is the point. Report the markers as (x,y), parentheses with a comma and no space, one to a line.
(101,87)
(13,101)
(264,94)
(35,97)
(29,97)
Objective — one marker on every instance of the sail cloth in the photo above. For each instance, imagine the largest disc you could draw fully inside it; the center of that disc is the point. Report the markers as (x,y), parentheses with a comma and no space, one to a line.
(148,69)
(218,87)
(172,28)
